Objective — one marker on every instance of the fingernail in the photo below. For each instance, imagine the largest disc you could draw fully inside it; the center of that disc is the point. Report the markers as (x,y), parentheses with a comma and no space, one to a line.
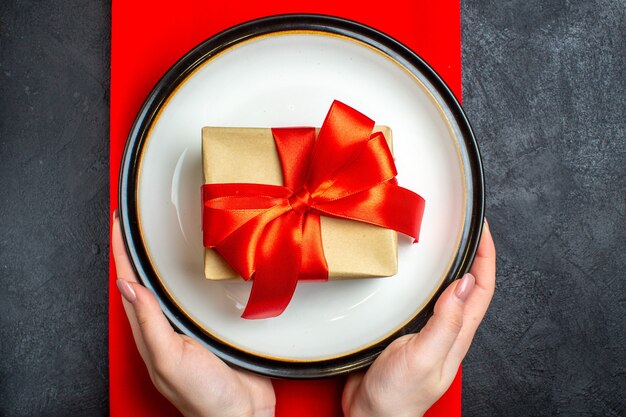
(126,290)
(116,214)
(486,222)
(465,287)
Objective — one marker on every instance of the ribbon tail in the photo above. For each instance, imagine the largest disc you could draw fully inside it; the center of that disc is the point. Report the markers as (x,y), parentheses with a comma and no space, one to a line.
(278,258)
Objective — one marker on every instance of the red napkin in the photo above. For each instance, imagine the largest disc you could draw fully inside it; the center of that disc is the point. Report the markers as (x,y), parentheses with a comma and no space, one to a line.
(147,38)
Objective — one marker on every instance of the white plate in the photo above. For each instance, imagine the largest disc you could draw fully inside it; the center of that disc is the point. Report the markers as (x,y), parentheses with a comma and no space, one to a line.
(290,78)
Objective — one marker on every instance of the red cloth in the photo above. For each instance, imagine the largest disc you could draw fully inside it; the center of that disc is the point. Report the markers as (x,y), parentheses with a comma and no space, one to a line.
(147,38)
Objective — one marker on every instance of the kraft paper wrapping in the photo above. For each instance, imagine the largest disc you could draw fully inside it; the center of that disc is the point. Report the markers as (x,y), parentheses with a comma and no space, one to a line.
(248,155)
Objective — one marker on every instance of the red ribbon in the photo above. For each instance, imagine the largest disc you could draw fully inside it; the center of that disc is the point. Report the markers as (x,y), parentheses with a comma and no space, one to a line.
(273,232)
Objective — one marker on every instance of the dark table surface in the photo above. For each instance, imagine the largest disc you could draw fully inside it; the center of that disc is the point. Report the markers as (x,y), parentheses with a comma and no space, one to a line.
(544,86)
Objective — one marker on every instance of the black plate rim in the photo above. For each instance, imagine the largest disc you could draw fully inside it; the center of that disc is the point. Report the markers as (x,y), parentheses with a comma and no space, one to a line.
(185,66)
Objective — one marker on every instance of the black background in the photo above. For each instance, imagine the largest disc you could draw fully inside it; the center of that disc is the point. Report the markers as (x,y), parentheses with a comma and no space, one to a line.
(544,84)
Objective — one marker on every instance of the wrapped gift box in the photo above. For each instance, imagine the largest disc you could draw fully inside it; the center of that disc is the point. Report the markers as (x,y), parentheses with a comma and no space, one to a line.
(248,155)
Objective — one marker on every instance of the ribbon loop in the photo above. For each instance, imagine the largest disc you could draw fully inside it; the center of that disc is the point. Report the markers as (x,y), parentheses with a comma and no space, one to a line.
(272,233)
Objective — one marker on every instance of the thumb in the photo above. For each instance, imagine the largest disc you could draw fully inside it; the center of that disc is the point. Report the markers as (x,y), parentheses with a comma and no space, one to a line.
(151,330)
(437,338)
(147,321)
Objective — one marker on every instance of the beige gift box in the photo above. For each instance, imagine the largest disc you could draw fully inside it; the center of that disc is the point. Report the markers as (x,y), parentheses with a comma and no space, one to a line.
(248,155)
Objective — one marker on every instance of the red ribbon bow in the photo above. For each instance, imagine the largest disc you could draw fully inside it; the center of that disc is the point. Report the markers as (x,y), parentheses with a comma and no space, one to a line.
(273,232)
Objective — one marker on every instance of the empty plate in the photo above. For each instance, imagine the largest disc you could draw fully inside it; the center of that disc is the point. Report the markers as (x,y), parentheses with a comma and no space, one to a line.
(286,71)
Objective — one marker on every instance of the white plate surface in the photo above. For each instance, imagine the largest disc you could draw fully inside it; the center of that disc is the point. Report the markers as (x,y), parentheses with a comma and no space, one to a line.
(286,80)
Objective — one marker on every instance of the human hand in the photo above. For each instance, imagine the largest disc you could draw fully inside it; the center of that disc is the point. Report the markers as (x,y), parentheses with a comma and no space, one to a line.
(196,381)
(415,370)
